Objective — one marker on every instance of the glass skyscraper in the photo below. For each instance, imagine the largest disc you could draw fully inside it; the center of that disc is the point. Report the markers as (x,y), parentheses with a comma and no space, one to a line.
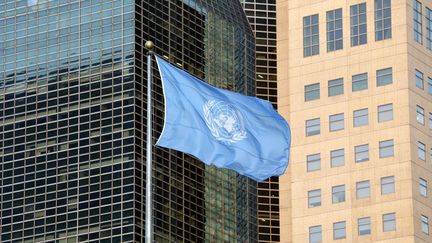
(72,121)
(262,18)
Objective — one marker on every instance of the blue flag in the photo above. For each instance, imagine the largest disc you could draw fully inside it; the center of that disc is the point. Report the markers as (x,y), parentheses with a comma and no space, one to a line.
(221,127)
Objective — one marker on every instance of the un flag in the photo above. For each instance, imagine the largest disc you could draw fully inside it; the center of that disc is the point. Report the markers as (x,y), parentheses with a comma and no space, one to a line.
(221,127)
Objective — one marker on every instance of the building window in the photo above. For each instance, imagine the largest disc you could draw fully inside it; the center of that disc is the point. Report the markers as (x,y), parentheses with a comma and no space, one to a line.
(315,234)
(385,112)
(334,30)
(418,21)
(387,185)
(312,92)
(430,85)
(338,194)
(423,187)
(421,151)
(364,226)
(419,79)
(429,28)
(359,82)
(384,76)
(336,122)
(389,222)
(363,189)
(383,29)
(313,162)
(386,148)
(339,230)
(337,157)
(420,114)
(361,153)
(424,224)
(314,198)
(358,24)
(310,35)
(335,87)
(430,120)
(361,117)
(313,127)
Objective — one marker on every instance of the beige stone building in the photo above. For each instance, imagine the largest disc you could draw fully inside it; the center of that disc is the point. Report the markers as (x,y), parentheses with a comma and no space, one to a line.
(355,83)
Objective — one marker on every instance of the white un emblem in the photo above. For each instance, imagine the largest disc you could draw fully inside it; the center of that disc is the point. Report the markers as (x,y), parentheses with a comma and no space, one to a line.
(224,121)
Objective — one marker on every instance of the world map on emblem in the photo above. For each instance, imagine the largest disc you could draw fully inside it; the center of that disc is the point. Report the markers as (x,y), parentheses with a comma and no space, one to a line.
(225,121)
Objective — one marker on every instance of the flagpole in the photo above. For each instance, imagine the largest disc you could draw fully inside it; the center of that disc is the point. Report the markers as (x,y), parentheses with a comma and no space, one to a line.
(149,188)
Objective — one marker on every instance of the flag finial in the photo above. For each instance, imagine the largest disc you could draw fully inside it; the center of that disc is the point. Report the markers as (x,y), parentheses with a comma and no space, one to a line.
(149,45)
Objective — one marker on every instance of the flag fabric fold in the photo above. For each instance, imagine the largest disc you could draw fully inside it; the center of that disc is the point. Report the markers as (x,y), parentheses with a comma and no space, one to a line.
(221,127)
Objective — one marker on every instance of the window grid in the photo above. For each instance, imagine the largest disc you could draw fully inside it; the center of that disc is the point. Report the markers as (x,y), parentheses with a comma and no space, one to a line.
(363,189)
(389,222)
(428,29)
(68,163)
(359,82)
(361,153)
(358,24)
(423,187)
(108,60)
(385,112)
(383,29)
(336,122)
(384,76)
(364,226)
(313,127)
(424,224)
(313,162)
(335,87)
(337,157)
(310,35)
(334,30)
(419,79)
(361,117)
(314,198)
(387,185)
(418,21)
(386,148)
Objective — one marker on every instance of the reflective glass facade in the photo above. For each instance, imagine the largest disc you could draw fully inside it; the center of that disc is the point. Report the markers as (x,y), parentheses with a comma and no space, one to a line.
(72,121)
(262,18)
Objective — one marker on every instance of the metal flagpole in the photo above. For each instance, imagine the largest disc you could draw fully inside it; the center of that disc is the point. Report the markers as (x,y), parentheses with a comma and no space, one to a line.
(149,188)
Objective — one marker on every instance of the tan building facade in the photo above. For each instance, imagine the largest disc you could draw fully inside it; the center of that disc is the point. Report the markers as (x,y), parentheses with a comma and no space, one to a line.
(355,83)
